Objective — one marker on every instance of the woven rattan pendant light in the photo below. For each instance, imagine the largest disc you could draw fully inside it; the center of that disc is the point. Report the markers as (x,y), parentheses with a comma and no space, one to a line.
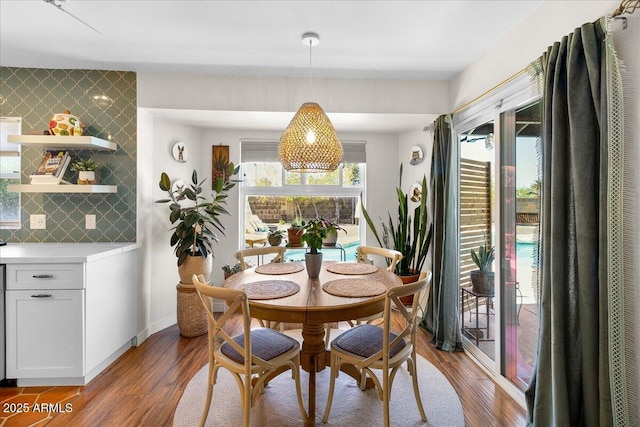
(310,142)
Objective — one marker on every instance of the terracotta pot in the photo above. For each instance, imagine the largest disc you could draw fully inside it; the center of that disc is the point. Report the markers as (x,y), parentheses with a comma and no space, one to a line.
(313,262)
(195,265)
(295,236)
(408,300)
(483,282)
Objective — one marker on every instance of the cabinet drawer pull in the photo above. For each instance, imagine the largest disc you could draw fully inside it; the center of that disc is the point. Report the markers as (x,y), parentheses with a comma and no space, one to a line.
(43,276)
(41,296)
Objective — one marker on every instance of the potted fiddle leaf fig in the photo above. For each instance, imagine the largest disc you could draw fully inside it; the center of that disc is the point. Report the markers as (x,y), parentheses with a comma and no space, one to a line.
(483,279)
(314,232)
(196,228)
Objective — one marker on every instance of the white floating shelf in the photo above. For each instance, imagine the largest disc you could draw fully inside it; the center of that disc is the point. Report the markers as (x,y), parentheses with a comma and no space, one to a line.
(70,142)
(61,188)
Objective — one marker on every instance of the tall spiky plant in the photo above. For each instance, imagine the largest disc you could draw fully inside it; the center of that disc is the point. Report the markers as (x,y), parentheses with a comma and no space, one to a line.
(409,235)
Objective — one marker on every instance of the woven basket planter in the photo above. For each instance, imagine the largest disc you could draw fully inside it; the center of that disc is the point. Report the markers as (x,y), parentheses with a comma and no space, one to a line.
(192,317)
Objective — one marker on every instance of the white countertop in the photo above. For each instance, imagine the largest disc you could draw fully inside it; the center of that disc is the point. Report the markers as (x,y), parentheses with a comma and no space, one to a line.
(29,253)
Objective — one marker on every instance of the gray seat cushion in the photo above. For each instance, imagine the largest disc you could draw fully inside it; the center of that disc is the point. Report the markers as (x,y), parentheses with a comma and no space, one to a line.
(365,340)
(266,344)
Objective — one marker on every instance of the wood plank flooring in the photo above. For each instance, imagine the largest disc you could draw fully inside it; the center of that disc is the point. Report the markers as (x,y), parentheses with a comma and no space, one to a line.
(143,387)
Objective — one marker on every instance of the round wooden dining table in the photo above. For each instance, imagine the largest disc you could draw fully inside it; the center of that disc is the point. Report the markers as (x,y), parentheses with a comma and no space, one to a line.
(313,307)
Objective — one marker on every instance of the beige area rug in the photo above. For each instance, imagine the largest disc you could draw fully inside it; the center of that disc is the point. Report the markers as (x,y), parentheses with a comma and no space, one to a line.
(351,407)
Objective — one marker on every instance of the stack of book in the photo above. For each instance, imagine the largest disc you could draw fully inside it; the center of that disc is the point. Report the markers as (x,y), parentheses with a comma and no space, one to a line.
(51,168)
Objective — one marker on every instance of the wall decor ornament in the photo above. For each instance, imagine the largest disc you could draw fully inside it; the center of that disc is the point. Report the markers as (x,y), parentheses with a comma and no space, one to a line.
(416,192)
(416,155)
(180,152)
(220,162)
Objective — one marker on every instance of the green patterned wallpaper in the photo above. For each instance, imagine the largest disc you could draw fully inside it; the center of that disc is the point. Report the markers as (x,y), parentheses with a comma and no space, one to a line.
(35,95)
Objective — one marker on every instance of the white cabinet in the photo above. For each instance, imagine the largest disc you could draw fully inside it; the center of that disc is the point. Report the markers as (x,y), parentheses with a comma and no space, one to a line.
(45,333)
(62,142)
(44,312)
(67,320)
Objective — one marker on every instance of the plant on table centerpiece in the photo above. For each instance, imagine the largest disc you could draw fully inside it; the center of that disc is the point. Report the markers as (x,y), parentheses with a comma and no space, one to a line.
(197,225)
(410,235)
(86,170)
(483,279)
(314,232)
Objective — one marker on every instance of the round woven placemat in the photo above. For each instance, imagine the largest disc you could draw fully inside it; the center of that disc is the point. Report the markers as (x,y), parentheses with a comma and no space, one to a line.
(354,288)
(271,289)
(352,268)
(279,268)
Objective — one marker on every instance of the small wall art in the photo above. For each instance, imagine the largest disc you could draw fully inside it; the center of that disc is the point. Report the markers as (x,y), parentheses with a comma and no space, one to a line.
(416,155)
(179,151)
(219,162)
(416,192)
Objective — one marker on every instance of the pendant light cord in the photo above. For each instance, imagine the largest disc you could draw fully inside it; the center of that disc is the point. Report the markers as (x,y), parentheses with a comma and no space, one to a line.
(310,68)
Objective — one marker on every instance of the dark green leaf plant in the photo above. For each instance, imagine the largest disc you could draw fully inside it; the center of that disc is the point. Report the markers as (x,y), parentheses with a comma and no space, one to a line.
(196,218)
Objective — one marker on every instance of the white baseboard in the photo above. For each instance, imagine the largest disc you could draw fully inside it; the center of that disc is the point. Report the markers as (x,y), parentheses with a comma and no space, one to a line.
(153,328)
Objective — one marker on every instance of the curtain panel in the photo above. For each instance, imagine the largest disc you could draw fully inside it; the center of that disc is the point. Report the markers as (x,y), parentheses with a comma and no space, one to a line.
(442,313)
(570,385)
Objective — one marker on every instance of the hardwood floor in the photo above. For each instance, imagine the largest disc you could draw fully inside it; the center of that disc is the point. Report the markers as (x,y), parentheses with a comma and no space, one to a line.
(143,387)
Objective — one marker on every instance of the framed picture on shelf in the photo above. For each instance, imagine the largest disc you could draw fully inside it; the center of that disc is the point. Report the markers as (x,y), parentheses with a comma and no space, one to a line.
(219,162)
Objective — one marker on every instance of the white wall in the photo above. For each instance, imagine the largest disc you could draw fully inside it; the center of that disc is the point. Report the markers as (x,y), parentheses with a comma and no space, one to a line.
(250,93)
(525,43)
(162,268)
(628,47)
(144,215)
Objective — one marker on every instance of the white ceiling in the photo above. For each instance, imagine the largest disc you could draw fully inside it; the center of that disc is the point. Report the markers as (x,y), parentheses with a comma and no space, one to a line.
(417,40)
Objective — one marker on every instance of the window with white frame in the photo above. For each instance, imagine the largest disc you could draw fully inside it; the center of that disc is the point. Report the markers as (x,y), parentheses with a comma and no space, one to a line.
(9,172)
(274,198)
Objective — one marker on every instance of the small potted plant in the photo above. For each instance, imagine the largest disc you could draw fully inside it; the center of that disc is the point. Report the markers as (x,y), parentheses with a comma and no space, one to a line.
(314,232)
(294,233)
(483,279)
(229,270)
(332,233)
(86,170)
(275,237)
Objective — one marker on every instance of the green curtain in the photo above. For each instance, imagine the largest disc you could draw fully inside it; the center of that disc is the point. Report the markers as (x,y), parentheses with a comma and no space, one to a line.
(442,313)
(570,382)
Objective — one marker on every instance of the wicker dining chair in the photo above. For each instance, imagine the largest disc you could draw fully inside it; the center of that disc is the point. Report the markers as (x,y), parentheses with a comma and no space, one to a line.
(369,347)
(251,356)
(392,257)
(259,253)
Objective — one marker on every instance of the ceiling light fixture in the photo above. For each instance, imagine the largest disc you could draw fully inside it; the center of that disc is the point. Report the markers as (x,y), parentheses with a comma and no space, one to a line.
(310,142)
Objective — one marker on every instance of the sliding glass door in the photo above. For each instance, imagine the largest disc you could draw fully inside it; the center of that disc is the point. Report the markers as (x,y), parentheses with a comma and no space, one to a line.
(519,227)
(499,209)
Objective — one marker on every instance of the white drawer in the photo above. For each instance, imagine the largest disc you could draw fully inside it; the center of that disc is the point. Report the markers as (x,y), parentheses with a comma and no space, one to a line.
(45,276)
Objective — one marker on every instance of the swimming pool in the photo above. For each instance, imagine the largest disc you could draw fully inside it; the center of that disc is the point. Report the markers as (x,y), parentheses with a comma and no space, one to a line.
(328,254)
